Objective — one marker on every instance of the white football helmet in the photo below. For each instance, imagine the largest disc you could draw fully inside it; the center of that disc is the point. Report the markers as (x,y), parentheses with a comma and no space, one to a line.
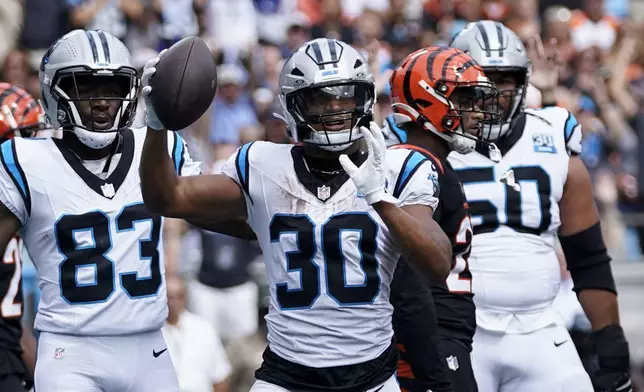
(319,72)
(497,49)
(79,54)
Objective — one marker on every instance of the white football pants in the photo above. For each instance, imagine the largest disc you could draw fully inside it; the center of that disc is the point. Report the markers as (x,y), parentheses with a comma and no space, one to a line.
(544,360)
(390,385)
(128,363)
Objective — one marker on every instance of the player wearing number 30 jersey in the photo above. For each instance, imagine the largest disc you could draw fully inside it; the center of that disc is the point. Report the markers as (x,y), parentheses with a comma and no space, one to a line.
(332,216)
(77,202)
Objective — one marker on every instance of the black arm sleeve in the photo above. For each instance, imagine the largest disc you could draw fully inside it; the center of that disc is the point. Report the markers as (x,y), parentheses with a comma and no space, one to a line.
(588,260)
(415,325)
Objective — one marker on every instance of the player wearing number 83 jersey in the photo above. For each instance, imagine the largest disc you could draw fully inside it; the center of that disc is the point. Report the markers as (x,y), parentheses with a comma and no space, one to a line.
(77,202)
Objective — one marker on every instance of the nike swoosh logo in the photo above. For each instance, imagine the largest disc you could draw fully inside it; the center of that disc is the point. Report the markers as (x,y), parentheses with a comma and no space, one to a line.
(382,386)
(559,344)
(156,354)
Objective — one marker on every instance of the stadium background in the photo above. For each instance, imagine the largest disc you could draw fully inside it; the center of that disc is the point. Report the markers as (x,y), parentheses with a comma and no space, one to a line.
(603,61)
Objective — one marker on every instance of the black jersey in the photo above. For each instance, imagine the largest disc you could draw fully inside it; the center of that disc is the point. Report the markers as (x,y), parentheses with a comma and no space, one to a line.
(453,301)
(11,310)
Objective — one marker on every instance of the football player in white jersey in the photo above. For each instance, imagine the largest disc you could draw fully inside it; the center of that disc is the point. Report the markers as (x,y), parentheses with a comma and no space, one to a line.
(328,225)
(77,203)
(538,192)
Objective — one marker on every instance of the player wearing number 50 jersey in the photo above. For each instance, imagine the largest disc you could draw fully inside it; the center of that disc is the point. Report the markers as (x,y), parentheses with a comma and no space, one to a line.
(440,96)
(534,190)
(77,203)
(326,218)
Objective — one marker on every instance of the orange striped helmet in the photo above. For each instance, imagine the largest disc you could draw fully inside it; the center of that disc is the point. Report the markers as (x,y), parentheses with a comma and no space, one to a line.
(20,114)
(436,86)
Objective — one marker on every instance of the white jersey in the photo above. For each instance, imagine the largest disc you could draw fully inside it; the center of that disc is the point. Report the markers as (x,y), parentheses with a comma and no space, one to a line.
(97,249)
(515,213)
(329,256)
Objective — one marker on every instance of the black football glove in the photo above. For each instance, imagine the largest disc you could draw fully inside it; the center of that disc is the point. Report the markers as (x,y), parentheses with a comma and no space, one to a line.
(614,361)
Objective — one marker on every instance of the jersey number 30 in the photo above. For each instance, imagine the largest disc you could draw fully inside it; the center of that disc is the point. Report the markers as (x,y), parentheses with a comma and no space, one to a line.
(301,260)
(97,223)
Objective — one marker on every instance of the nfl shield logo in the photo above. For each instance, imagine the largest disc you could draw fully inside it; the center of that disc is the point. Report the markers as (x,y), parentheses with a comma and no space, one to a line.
(324,192)
(452,363)
(108,190)
(59,353)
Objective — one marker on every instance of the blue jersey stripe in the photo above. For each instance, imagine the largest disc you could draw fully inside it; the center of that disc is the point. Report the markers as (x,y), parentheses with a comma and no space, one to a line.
(177,153)
(243,167)
(412,163)
(12,166)
(571,123)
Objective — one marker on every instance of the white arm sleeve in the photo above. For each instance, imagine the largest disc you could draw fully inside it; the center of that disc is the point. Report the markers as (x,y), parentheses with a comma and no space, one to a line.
(416,182)
(423,187)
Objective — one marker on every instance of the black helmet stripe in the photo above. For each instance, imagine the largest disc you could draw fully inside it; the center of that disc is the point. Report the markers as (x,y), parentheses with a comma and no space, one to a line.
(92,44)
(106,47)
(486,39)
(318,54)
(333,52)
(499,32)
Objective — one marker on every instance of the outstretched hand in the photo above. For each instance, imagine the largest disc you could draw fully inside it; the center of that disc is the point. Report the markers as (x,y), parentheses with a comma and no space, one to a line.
(545,65)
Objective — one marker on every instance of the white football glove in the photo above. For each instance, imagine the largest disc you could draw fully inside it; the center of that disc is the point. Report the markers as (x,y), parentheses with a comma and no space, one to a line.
(151,119)
(370,176)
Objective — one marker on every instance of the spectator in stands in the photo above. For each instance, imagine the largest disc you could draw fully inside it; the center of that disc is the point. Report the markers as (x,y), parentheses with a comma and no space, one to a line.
(231,26)
(178,19)
(10,24)
(112,16)
(333,24)
(15,69)
(592,27)
(298,32)
(232,110)
(193,344)
(44,22)
(523,18)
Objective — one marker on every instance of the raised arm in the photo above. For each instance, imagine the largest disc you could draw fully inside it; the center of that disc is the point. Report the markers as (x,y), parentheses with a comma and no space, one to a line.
(205,197)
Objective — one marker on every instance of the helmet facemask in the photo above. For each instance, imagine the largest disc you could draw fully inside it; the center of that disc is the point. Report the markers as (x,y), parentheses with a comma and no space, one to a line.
(513,96)
(96,104)
(330,115)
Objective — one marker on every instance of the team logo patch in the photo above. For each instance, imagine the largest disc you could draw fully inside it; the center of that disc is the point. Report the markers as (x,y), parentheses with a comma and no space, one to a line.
(324,192)
(544,143)
(452,363)
(59,353)
(108,190)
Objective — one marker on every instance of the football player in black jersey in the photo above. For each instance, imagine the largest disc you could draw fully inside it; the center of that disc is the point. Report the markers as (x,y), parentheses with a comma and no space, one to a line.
(20,115)
(440,97)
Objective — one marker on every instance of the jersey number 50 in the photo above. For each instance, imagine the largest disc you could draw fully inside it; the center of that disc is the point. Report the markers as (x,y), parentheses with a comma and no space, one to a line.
(301,260)
(487,211)
(97,223)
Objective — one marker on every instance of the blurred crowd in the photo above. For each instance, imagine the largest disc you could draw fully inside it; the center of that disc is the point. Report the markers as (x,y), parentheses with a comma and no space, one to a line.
(598,47)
